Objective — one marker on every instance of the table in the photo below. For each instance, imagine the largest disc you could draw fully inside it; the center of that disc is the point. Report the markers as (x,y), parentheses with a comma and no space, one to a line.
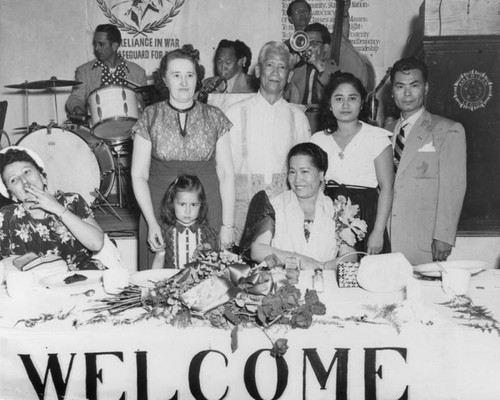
(431,357)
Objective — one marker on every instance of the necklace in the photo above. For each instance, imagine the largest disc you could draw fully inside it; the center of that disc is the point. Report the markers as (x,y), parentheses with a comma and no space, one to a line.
(182,130)
(349,140)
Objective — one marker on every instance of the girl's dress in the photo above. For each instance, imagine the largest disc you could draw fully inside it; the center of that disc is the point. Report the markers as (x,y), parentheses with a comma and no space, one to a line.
(181,242)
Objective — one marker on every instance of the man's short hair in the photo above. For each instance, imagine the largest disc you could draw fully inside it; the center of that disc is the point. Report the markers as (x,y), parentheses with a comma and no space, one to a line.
(407,64)
(275,47)
(289,10)
(322,29)
(113,33)
(240,50)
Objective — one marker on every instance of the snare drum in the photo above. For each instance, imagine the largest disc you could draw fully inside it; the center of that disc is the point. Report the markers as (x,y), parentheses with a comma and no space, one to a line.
(113,112)
(75,160)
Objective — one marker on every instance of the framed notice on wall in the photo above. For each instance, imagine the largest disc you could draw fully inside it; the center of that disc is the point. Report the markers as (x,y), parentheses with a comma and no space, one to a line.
(464,84)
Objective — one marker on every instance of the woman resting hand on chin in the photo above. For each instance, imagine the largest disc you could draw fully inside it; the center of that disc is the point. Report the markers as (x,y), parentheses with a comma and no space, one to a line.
(305,225)
(61,224)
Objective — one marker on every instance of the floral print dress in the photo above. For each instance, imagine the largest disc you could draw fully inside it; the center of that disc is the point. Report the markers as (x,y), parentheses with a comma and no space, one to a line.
(20,233)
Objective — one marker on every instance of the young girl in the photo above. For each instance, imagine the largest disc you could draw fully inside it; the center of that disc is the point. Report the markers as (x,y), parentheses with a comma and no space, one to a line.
(359,158)
(183,214)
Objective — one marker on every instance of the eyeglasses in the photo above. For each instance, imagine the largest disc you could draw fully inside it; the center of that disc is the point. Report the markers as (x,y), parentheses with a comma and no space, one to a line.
(315,43)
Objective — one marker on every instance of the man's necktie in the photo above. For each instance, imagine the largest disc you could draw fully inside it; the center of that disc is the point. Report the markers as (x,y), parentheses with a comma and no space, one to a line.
(399,146)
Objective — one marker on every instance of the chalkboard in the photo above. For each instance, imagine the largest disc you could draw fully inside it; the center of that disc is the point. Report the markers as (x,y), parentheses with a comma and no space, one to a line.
(464,85)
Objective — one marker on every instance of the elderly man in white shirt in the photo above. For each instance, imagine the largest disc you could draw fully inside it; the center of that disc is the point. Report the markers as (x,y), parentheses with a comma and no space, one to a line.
(265,128)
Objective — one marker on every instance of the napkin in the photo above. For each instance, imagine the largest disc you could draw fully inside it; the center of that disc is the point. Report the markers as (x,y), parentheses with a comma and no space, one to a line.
(384,272)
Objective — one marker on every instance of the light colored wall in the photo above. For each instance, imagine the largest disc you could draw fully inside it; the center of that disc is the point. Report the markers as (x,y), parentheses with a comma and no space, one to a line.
(40,39)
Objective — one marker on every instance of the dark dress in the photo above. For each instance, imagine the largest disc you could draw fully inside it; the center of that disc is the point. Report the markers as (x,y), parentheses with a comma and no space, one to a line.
(175,154)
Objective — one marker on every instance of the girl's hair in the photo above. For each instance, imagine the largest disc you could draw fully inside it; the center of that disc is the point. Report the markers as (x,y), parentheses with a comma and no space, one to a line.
(183,183)
(328,120)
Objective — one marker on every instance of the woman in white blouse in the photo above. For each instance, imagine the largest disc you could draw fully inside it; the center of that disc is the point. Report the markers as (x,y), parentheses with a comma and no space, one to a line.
(360,158)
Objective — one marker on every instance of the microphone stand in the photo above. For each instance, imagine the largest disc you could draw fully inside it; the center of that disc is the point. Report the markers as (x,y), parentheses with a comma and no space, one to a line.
(372,100)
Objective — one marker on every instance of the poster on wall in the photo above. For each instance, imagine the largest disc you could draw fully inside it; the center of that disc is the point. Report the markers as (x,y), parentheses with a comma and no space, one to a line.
(365,31)
(149,28)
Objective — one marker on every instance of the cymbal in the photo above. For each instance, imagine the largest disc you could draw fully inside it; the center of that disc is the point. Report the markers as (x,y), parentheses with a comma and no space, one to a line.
(53,82)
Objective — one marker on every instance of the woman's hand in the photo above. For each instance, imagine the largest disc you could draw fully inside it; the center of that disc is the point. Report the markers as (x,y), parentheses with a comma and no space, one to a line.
(375,242)
(226,236)
(43,200)
(310,263)
(155,238)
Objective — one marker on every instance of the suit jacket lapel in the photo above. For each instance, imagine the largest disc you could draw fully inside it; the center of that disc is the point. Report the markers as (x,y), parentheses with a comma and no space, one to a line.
(415,140)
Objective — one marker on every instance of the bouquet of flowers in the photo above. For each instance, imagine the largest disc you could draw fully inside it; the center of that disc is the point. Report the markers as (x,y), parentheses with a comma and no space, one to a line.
(218,288)
(350,228)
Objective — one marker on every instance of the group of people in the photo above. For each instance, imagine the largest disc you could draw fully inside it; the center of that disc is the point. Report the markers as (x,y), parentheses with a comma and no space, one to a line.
(254,175)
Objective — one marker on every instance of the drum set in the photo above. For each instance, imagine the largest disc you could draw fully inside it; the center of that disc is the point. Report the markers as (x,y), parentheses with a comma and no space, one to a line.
(86,154)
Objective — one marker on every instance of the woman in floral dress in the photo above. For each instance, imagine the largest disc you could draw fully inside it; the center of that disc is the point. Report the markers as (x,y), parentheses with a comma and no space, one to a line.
(181,136)
(39,222)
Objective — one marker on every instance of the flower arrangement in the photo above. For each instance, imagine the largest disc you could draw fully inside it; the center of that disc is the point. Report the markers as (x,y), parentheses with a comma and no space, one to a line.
(217,287)
(350,228)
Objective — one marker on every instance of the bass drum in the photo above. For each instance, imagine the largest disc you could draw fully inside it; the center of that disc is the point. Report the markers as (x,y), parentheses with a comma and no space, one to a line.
(75,160)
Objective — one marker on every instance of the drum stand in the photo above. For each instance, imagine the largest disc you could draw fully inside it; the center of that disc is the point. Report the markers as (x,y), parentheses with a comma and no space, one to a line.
(120,176)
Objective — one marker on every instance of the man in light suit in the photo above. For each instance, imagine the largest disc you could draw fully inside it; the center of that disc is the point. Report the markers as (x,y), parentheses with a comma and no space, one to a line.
(430,182)
(109,68)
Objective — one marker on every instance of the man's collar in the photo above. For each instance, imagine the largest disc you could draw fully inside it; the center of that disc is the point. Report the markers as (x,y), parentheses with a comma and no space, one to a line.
(262,98)
(99,63)
(411,119)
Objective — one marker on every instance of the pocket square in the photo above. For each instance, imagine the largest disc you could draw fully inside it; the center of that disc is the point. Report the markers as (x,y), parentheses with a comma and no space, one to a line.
(428,148)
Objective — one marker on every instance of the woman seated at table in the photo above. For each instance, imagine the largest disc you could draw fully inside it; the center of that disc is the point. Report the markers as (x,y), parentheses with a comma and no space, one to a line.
(304,226)
(42,223)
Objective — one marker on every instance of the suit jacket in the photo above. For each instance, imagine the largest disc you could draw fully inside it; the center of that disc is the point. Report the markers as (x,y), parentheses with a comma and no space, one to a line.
(429,187)
(91,78)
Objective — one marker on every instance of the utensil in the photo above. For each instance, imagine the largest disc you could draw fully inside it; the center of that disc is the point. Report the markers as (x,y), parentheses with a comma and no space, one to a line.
(88,293)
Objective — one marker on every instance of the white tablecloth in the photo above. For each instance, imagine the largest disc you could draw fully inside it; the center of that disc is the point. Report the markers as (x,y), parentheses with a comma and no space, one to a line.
(431,357)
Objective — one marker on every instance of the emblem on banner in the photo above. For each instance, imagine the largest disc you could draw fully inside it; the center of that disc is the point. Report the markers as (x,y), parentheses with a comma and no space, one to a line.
(140,17)
(472,90)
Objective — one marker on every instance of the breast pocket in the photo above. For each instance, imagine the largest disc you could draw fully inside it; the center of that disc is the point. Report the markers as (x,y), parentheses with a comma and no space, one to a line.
(425,165)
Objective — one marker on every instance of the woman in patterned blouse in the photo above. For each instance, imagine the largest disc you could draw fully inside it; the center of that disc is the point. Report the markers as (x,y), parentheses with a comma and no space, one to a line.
(42,223)
(181,136)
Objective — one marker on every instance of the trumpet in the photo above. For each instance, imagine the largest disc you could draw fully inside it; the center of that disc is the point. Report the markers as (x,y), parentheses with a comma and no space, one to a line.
(299,41)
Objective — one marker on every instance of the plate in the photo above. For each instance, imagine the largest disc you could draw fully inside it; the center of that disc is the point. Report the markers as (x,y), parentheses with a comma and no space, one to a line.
(149,277)
(56,282)
(432,269)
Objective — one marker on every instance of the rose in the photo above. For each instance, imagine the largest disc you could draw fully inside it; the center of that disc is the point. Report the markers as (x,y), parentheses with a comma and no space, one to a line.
(270,309)
(318,308)
(302,319)
(311,297)
(279,348)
